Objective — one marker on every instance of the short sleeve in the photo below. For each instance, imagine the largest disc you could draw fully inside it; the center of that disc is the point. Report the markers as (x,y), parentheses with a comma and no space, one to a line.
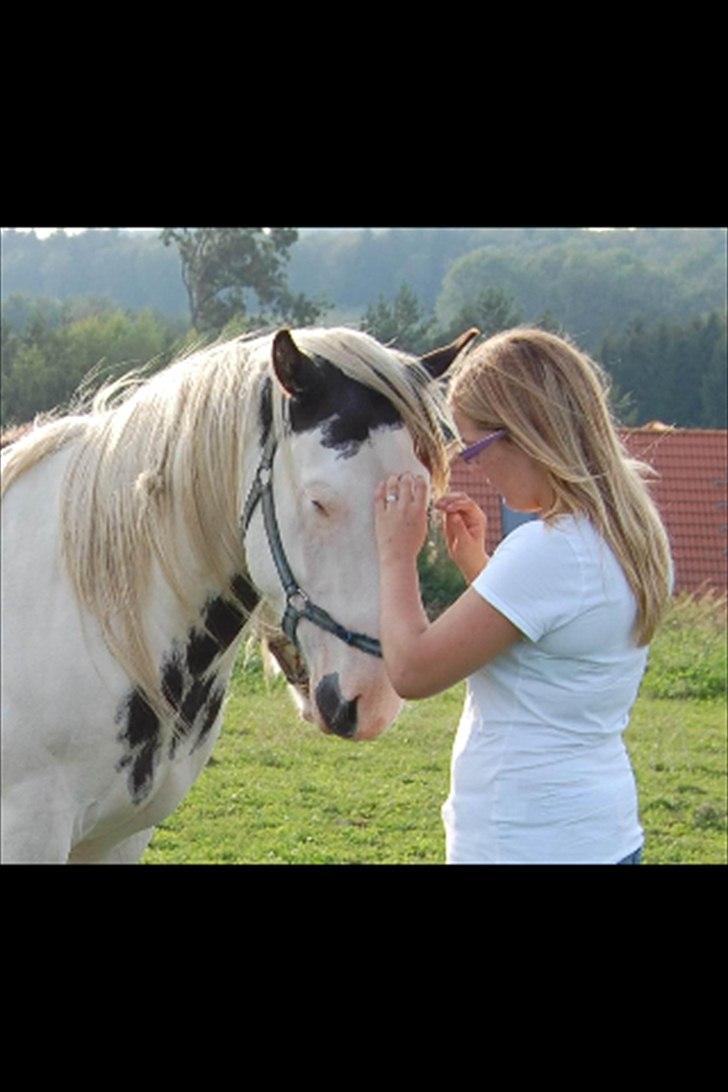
(534,579)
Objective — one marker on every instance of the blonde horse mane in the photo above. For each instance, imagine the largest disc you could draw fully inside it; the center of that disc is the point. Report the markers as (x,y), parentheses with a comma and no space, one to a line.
(159,462)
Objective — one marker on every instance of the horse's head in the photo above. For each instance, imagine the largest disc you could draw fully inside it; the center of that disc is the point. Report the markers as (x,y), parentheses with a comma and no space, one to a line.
(314,530)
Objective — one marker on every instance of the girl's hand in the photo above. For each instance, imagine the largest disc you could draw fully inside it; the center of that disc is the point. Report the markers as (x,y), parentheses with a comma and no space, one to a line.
(464,526)
(400,516)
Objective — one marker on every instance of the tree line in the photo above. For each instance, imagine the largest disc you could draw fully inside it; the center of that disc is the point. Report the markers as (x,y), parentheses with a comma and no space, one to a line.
(595,283)
(667,371)
(649,305)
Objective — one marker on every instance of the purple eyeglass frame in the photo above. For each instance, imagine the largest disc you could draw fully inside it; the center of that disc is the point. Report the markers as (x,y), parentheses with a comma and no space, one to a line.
(469,453)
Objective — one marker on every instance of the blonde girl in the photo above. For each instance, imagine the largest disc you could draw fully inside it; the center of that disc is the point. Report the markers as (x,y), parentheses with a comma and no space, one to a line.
(552,633)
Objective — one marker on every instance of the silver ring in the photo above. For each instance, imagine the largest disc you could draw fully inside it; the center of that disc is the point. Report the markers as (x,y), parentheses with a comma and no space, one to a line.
(390,497)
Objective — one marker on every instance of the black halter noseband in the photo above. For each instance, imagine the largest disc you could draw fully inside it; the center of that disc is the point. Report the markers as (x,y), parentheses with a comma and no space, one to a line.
(298,605)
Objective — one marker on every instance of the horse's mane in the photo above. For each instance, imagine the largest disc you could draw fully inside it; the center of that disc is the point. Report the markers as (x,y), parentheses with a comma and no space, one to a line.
(157,471)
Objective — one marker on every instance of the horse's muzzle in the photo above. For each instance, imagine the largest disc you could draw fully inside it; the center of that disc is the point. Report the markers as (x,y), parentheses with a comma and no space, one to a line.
(338,714)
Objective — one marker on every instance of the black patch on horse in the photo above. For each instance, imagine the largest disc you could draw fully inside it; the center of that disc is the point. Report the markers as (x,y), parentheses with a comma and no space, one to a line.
(183,670)
(201,651)
(194,700)
(189,696)
(347,410)
(223,620)
(173,679)
(265,409)
(142,739)
(245,592)
(212,709)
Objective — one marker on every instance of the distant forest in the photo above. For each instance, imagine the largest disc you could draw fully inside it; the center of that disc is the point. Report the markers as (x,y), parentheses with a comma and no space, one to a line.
(649,304)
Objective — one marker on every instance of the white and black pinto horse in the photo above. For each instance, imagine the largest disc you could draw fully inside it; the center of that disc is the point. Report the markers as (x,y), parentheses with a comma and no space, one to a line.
(142,537)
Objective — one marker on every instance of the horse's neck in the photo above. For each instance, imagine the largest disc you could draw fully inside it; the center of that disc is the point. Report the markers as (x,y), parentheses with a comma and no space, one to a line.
(202,585)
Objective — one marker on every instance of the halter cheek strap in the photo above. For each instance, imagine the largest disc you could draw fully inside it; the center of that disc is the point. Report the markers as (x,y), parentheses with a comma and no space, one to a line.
(298,604)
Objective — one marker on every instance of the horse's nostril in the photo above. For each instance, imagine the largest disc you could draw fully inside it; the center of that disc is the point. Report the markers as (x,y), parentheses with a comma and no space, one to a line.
(339,714)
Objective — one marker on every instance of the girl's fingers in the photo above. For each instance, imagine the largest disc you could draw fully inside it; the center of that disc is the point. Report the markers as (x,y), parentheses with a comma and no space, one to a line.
(455,504)
(420,490)
(404,487)
(400,494)
(452,498)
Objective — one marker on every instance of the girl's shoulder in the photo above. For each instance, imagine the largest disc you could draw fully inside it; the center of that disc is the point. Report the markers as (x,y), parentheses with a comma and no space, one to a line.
(574,529)
(568,542)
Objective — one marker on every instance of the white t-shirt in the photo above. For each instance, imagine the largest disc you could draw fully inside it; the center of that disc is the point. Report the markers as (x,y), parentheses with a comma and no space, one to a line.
(540,773)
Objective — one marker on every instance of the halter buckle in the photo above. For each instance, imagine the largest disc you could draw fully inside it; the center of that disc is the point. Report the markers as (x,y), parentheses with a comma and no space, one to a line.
(298,600)
(264,475)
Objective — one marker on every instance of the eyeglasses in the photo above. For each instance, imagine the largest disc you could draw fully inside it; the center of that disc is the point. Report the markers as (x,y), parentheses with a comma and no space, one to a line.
(469,453)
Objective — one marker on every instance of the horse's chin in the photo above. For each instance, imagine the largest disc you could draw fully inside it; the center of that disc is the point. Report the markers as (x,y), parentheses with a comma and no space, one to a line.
(372,727)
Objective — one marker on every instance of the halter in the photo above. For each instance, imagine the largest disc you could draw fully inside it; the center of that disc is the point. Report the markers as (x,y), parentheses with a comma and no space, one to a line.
(298,604)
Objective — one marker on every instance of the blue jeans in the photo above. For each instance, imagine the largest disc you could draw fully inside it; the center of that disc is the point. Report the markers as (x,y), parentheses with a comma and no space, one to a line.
(634,858)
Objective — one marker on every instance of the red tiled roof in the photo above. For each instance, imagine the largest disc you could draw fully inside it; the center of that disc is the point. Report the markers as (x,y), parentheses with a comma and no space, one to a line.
(469,478)
(690,493)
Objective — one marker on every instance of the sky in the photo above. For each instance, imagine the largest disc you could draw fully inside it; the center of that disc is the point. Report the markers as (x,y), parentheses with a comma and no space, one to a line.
(44,232)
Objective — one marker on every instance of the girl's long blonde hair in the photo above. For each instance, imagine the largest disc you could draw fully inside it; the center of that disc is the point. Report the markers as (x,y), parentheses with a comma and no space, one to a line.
(553,400)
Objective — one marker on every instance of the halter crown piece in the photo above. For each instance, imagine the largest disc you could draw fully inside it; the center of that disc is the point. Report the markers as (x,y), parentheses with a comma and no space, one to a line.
(298,604)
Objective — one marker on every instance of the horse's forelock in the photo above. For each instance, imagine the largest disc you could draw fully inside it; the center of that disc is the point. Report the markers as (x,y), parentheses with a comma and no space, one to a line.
(400,378)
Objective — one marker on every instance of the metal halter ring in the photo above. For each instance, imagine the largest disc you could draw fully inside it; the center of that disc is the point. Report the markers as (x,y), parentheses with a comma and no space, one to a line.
(298,599)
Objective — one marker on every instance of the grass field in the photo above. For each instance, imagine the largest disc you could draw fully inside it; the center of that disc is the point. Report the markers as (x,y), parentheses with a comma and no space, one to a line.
(278,791)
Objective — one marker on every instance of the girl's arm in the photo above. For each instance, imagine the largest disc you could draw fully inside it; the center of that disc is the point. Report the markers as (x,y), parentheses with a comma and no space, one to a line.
(424,658)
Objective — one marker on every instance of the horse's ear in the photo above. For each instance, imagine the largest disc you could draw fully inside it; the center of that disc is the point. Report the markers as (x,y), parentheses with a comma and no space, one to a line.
(294,370)
(439,360)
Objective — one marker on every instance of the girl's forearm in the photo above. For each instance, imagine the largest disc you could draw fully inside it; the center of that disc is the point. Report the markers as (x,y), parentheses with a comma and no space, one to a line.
(402,618)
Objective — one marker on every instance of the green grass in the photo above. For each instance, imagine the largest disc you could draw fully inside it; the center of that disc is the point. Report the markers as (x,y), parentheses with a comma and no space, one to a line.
(688,656)
(279,791)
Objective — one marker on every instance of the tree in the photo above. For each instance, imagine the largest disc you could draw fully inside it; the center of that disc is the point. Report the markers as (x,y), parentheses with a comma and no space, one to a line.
(550,323)
(45,359)
(713,387)
(492,310)
(222,268)
(589,287)
(401,322)
(673,373)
